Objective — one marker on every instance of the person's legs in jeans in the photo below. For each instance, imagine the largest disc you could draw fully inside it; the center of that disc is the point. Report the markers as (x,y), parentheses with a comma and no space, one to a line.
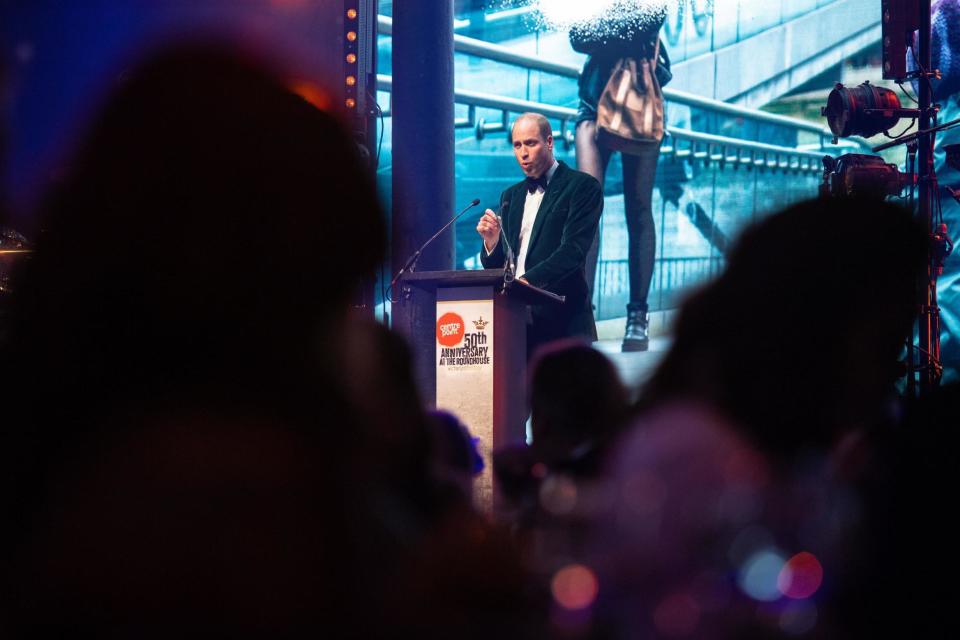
(639,172)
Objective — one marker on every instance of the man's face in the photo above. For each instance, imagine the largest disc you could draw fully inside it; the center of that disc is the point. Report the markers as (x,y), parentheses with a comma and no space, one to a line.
(534,154)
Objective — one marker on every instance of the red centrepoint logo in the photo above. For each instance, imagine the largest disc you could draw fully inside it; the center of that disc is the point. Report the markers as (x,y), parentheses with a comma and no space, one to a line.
(450,329)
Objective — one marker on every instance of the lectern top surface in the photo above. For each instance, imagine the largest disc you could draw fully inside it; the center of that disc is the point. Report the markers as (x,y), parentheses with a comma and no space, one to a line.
(431,280)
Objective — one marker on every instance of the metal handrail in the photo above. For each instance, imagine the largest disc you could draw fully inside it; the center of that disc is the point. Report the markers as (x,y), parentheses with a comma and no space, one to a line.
(497,53)
(686,143)
(483,49)
(499,16)
(493,101)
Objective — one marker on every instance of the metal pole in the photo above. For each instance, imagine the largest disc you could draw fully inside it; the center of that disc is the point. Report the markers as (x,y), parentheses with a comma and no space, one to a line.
(364,125)
(423,149)
(911,356)
(929,329)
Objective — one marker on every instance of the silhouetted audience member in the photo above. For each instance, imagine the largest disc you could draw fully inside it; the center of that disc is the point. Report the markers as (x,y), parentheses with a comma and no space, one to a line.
(730,503)
(577,406)
(518,475)
(467,577)
(454,456)
(198,438)
(457,571)
(799,340)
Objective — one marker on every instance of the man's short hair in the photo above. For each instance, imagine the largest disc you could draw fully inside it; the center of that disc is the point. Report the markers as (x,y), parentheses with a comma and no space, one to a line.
(542,124)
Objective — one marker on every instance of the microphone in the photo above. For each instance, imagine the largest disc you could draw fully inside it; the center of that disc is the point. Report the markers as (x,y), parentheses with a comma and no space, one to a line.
(412,261)
(510,264)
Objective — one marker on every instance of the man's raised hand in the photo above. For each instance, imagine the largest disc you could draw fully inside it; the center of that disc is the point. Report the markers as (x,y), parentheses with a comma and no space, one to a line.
(489,229)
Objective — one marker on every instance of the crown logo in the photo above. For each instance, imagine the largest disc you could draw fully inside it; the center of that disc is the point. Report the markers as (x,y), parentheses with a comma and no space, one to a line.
(480,324)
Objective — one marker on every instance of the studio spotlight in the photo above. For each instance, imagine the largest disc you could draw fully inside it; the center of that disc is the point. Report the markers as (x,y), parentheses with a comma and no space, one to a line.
(862,111)
(855,174)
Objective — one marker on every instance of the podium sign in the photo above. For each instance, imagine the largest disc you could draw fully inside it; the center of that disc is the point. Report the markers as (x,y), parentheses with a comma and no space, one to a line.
(464,370)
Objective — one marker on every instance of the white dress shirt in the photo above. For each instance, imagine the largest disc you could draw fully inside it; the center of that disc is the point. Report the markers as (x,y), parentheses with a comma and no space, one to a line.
(530,208)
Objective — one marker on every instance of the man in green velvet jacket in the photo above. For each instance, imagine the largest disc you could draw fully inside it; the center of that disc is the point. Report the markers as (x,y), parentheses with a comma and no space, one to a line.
(549,220)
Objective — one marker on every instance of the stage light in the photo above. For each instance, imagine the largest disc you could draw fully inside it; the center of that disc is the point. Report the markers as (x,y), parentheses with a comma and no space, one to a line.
(856,174)
(356,40)
(865,110)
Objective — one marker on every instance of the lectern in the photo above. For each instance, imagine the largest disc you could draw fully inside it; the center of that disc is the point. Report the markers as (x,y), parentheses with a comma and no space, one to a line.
(468,333)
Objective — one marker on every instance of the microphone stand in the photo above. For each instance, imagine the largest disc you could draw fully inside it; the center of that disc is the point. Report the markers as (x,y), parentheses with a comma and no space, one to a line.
(411,262)
(509,265)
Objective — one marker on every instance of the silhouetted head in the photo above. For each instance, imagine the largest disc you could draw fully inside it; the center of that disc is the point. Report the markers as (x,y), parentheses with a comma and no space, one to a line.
(172,426)
(577,401)
(210,220)
(800,336)
(455,461)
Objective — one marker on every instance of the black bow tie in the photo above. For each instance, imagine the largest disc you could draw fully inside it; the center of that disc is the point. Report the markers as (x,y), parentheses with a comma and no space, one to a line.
(533,183)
